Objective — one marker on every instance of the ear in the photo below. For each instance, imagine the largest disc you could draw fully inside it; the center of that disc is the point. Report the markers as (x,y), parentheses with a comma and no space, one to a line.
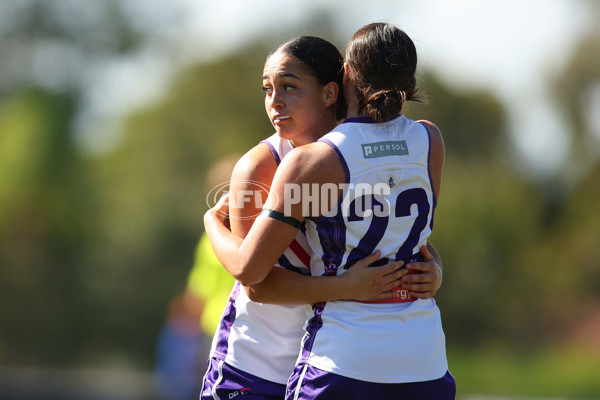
(346,73)
(330,93)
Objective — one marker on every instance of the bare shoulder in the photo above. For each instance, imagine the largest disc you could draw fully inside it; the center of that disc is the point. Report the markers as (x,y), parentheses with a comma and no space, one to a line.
(435,136)
(252,173)
(314,162)
(437,154)
(434,132)
(258,164)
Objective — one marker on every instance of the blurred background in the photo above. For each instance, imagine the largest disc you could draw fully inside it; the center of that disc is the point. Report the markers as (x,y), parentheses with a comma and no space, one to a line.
(118,116)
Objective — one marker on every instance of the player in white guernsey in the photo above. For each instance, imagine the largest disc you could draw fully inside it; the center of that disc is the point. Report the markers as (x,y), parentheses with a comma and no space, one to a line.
(255,348)
(388,170)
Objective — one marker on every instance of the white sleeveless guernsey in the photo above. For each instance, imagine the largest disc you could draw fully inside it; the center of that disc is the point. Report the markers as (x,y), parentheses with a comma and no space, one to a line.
(388,205)
(264,339)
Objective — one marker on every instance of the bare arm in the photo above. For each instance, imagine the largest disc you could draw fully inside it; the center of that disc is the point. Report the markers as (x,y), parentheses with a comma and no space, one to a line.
(229,222)
(360,282)
(283,286)
(251,259)
(437,156)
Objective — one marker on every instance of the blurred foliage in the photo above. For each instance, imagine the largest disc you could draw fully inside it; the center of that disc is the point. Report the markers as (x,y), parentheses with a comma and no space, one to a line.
(93,248)
(152,192)
(55,44)
(42,228)
(576,93)
(472,121)
(562,372)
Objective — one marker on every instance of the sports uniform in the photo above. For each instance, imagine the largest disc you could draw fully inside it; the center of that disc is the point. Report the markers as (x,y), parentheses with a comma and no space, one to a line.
(388,204)
(256,345)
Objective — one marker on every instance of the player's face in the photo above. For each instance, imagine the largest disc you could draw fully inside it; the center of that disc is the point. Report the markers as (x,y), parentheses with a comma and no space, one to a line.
(295,102)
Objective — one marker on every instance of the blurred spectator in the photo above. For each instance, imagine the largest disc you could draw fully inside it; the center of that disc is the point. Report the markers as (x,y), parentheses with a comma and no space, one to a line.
(180,345)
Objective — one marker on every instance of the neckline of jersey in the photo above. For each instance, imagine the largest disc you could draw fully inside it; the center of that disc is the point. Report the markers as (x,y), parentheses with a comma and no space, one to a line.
(368,120)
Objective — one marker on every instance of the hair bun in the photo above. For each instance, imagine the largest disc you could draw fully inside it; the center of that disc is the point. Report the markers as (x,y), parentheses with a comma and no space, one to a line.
(382,61)
(384,104)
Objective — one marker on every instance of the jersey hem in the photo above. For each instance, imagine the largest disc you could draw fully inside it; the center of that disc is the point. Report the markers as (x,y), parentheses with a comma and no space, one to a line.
(252,371)
(437,374)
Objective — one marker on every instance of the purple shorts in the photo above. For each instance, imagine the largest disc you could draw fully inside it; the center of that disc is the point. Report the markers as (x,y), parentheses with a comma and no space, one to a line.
(222,381)
(310,383)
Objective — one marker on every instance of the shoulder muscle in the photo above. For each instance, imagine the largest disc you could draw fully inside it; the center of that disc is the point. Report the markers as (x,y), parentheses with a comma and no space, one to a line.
(314,163)
(252,174)
(436,156)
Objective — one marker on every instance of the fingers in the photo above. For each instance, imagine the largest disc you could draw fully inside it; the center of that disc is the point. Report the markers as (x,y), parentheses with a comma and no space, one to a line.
(420,267)
(389,275)
(370,259)
(222,203)
(418,278)
(221,208)
(391,272)
(421,295)
(420,285)
(417,287)
(426,254)
(393,279)
(385,278)
(428,265)
(418,282)
(424,278)
(391,268)
(220,211)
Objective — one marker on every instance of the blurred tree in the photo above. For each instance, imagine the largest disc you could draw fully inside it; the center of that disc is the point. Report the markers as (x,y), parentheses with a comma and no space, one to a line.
(48,50)
(576,92)
(515,248)
(472,122)
(43,200)
(153,191)
(56,44)
(574,229)
(480,219)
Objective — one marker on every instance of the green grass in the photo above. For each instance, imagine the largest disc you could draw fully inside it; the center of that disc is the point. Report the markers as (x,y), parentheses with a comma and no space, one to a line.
(567,373)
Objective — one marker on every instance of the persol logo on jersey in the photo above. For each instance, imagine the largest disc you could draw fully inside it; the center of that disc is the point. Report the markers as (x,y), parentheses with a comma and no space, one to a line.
(251,195)
(384,149)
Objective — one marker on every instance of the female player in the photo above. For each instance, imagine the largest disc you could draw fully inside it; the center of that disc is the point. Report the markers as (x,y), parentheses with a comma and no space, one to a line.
(353,349)
(255,348)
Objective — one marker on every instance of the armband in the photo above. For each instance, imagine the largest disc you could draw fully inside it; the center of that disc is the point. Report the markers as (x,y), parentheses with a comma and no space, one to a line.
(281,217)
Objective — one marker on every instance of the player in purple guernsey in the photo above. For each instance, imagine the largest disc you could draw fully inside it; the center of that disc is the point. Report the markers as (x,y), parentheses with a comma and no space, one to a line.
(386,172)
(256,345)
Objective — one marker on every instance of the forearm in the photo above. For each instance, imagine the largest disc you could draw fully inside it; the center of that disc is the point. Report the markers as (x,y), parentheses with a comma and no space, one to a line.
(229,249)
(286,287)
(225,244)
(250,259)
